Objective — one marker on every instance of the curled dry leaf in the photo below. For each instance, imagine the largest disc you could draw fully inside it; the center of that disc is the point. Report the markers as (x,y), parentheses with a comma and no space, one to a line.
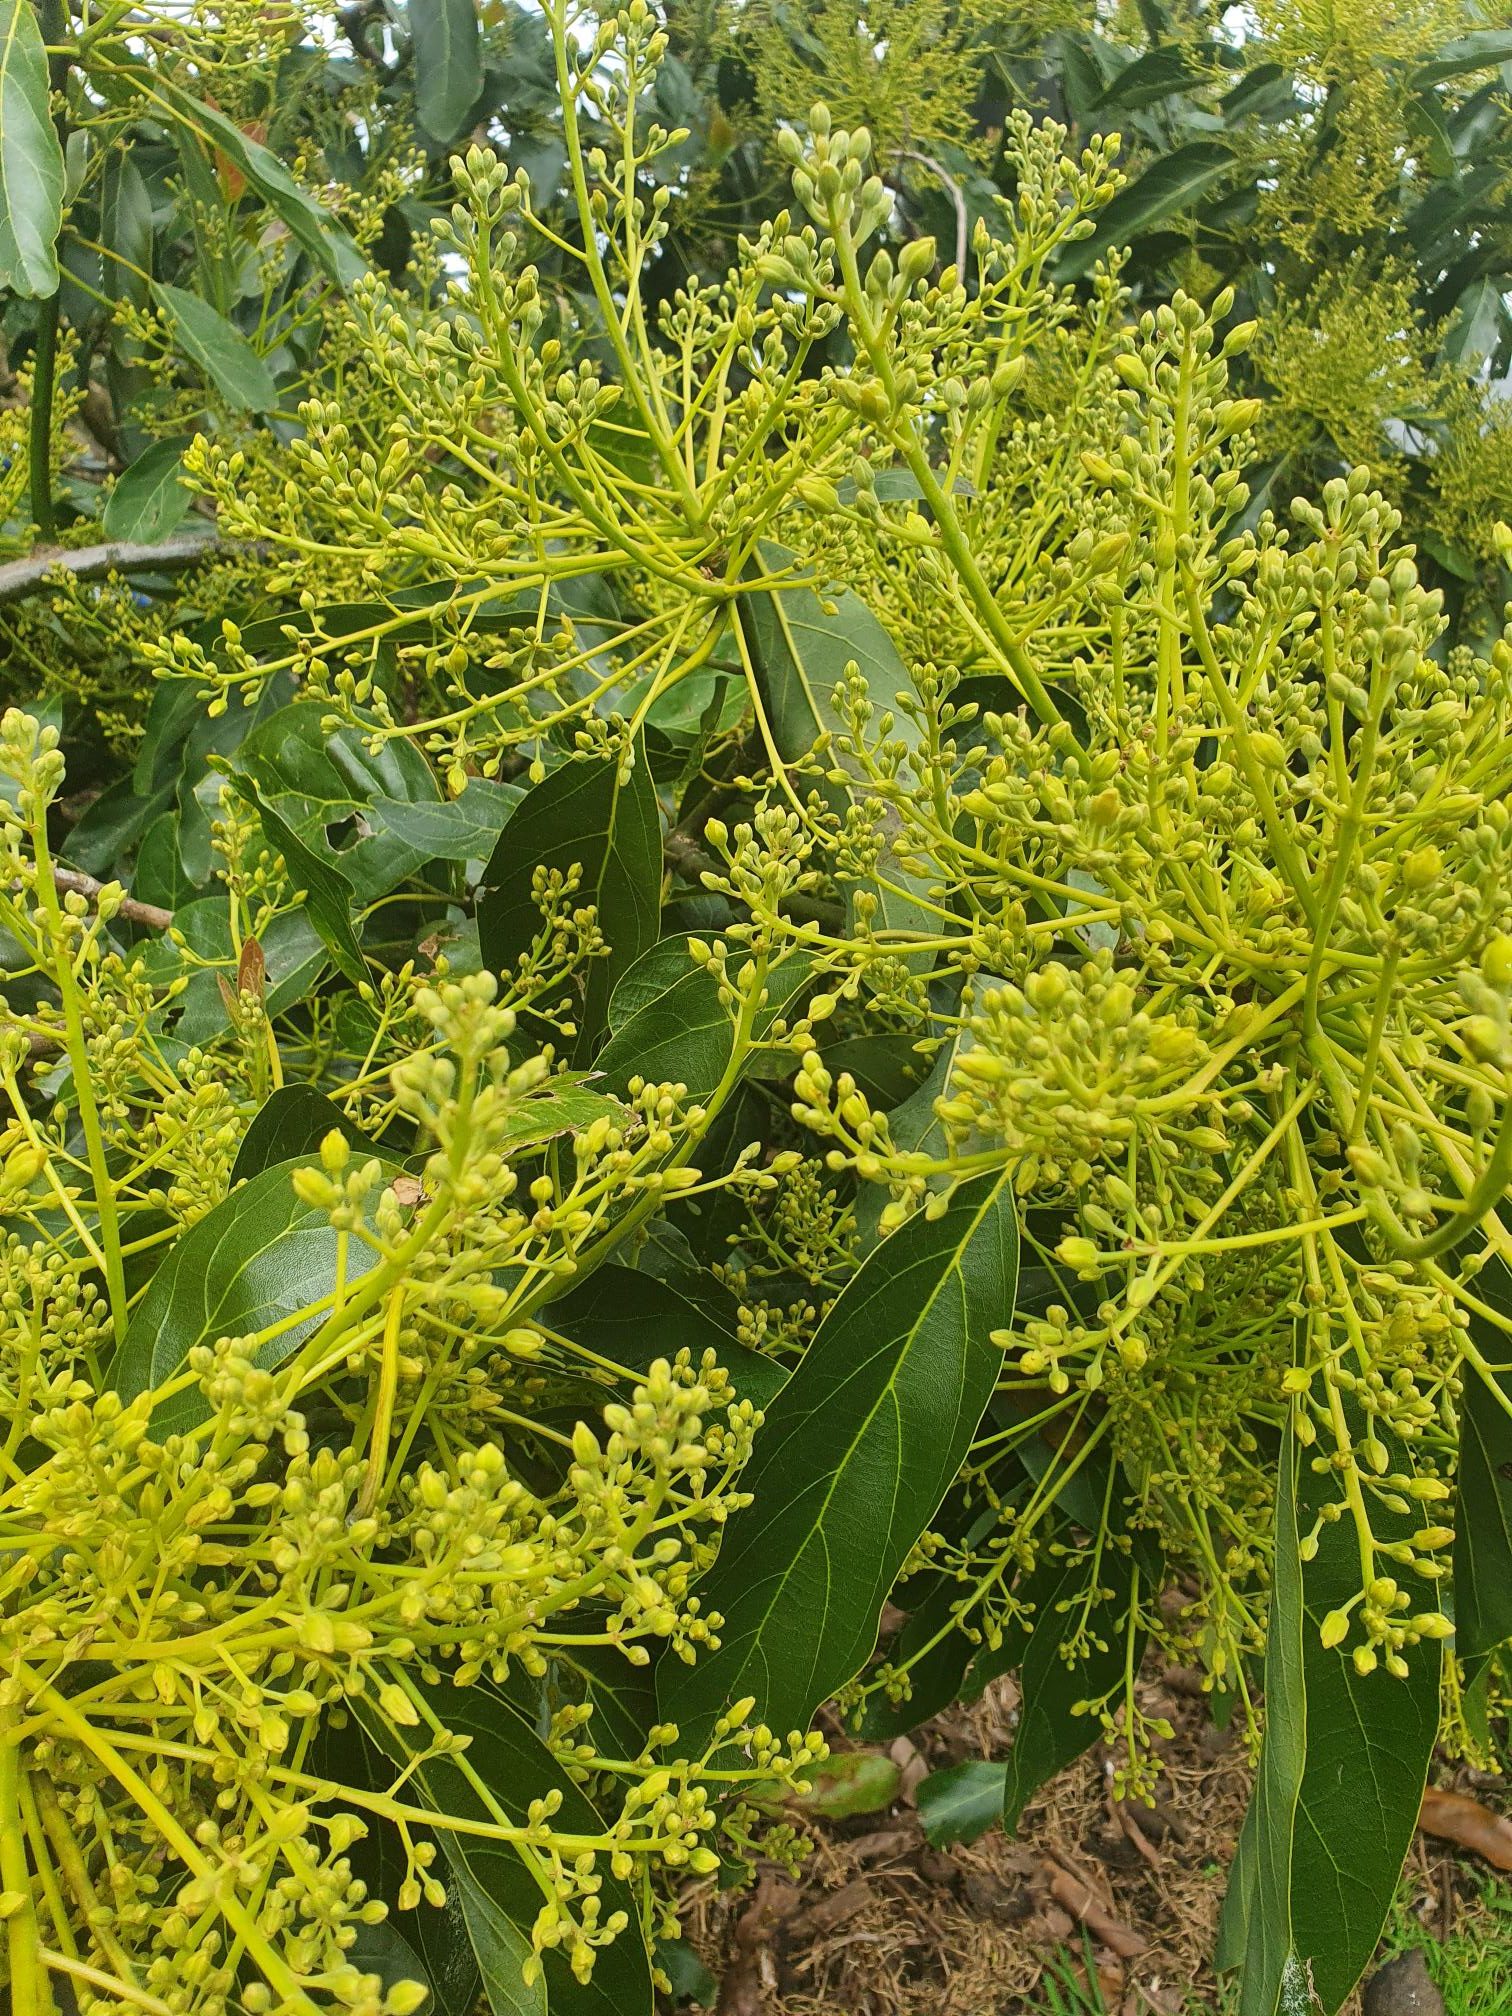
(1075,1897)
(1453,1816)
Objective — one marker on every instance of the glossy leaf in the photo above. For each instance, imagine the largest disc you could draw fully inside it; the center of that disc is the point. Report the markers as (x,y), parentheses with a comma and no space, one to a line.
(961,1803)
(505,1767)
(31,158)
(150,499)
(634,1318)
(1167,189)
(448,63)
(261,1258)
(858,1450)
(685,1035)
(1483,1520)
(290,1125)
(308,224)
(802,642)
(588,815)
(328,894)
(1090,1601)
(217,349)
(1341,1772)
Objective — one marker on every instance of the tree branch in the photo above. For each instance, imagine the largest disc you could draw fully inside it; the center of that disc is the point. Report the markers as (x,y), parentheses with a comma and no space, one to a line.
(20,578)
(73,881)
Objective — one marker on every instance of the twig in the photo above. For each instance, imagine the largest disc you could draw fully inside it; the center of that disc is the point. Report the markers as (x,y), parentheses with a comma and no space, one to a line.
(74,882)
(956,194)
(20,578)
(1073,1895)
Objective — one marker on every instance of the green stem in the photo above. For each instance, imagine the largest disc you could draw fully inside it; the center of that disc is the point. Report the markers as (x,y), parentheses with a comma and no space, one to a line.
(44,373)
(28,1983)
(83,1083)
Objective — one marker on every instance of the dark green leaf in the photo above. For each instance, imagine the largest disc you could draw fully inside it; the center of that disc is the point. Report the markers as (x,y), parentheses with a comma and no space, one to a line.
(633,1318)
(962,1803)
(686,1036)
(505,1766)
(448,65)
(1483,1522)
(1480,318)
(935,1654)
(886,1067)
(1341,1773)
(691,1980)
(149,500)
(113,825)
(159,873)
(312,228)
(294,959)
(1150,77)
(1087,1615)
(325,786)
(126,228)
(1168,188)
(459,829)
(623,1697)
(801,651)
(857,1452)
(31,158)
(564,1105)
(585,815)
(383,1950)
(290,1125)
(329,896)
(436,1934)
(1262,93)
(217,349)
(258,1259)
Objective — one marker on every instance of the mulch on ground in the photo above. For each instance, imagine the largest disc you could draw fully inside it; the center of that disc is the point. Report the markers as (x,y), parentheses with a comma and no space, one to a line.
(877,1922)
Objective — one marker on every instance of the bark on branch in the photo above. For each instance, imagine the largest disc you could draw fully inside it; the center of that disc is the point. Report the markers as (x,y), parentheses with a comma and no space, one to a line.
(20,578)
